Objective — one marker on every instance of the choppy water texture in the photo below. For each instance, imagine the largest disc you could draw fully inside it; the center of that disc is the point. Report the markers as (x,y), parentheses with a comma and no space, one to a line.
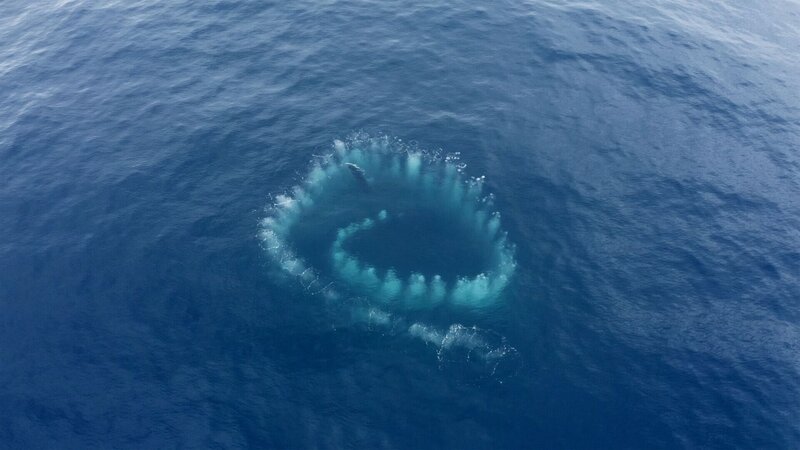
(643,159)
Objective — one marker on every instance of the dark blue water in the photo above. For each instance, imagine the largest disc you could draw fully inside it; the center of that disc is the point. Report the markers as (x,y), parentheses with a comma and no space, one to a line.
(645,159)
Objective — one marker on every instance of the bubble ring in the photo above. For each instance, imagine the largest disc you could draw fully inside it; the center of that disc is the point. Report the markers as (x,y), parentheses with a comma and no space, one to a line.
(359,164)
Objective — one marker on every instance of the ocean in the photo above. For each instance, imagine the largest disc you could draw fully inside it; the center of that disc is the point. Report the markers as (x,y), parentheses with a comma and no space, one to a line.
(400,225)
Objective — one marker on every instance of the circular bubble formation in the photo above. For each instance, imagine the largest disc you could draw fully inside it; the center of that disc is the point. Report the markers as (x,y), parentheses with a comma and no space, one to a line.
(427,179)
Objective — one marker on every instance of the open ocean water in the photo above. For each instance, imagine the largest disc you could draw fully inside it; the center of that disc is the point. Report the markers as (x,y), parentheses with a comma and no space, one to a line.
(644,157)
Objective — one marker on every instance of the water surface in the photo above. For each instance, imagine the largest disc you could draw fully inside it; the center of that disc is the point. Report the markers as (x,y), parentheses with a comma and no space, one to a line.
(644,158)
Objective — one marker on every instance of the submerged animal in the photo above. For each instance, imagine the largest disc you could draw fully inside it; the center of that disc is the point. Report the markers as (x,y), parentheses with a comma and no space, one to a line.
(359,174)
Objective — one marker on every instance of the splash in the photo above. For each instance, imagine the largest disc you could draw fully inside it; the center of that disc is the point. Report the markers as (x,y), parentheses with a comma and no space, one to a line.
(363,223)
(471,350)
